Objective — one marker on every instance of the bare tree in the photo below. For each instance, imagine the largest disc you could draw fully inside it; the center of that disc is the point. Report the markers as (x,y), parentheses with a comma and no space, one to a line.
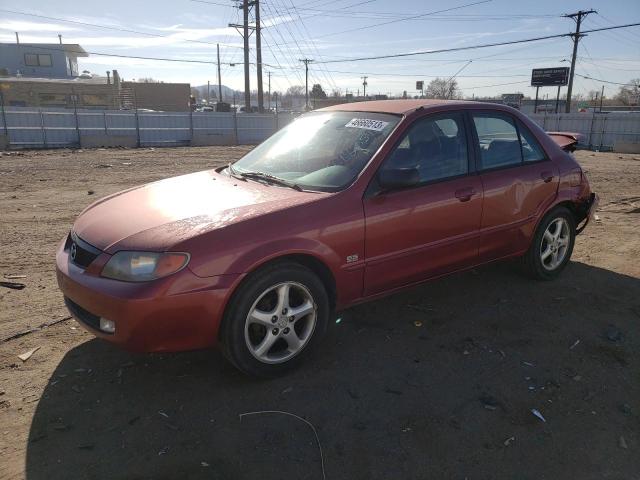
(443,89)
(148,80)
(336,92)
(295,91)
(629,94)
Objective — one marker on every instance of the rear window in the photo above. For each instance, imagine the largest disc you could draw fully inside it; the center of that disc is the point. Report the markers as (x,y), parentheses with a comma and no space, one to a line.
(531,149)
(498,139)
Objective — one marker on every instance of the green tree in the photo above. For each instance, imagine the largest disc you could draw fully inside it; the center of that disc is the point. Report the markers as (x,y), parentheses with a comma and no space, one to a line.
(317,92)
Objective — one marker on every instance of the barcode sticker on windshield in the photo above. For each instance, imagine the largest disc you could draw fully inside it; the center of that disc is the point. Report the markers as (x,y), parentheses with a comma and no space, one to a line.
(367,124)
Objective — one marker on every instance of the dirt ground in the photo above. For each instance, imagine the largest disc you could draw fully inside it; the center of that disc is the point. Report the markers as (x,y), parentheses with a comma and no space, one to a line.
(436,382)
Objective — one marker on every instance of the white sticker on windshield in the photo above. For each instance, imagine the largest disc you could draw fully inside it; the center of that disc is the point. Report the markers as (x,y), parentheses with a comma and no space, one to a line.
(368,124)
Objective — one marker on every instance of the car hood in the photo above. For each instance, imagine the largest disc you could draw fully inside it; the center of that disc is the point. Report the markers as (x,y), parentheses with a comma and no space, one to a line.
(162,214)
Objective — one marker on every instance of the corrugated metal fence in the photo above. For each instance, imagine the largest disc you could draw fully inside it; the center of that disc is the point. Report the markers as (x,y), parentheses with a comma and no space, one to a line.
(50,128)
(58,127)
(601,131)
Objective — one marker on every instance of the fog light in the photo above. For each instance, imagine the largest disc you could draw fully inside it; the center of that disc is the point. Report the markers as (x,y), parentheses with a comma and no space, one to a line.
(107,326)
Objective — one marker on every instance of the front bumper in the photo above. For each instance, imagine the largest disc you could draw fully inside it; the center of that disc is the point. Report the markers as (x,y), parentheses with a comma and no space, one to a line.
(175,313)
(587,211)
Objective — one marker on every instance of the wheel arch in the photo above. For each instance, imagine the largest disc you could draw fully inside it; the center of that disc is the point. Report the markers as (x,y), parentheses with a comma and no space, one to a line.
(313,263)
(557,203)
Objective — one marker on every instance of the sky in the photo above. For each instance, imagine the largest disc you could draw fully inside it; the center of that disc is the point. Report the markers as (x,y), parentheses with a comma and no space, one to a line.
(328,30)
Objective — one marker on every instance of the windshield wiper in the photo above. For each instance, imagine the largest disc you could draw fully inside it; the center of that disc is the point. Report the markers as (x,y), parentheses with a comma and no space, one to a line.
(234,174)
(270,179)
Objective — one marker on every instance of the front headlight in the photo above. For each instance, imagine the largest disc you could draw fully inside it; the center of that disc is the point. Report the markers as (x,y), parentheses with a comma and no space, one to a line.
(144,266)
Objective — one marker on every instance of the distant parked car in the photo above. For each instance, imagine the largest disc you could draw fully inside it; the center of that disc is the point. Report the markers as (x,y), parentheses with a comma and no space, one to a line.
(343,205)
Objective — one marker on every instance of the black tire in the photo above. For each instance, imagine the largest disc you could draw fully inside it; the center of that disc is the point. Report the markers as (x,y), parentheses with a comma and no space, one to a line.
(532,261)
(232,330)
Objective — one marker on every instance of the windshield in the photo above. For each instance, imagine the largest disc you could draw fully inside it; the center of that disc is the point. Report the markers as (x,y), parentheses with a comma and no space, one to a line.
(322,150)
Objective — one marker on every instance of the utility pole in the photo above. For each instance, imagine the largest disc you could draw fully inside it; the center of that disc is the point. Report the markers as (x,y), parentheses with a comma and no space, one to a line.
(256,10)
(245,36)
(208,93)
(364,84)
(306,62)
(219,76)
(269,95)
(576,38)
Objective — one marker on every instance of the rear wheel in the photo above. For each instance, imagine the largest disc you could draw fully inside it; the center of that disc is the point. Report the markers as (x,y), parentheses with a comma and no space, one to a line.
(552,245)
(275,318)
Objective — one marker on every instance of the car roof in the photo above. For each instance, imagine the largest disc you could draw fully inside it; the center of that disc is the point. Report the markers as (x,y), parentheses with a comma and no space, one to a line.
(404,107)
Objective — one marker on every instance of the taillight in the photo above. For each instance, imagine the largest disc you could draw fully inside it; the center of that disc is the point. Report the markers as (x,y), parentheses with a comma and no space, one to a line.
(574,177)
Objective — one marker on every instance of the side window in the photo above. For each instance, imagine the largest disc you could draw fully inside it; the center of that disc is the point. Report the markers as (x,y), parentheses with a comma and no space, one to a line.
(44,60)
(37,60)
(435,146)
(531,149)
(31,59)
(499,142)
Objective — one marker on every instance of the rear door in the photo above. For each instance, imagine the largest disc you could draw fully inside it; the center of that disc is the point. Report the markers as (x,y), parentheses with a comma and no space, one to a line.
(433,227)
(518,180)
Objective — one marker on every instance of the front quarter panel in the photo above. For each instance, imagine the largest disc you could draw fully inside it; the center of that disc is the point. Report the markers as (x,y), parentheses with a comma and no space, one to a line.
(331,230)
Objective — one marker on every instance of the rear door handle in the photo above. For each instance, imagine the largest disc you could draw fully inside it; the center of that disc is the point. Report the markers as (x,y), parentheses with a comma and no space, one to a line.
(546,176)
(465,194)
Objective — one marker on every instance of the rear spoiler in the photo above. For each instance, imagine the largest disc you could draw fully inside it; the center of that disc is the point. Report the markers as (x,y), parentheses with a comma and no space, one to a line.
(567,141)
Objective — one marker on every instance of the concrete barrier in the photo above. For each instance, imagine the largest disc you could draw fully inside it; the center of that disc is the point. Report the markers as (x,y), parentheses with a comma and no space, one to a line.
(105,141)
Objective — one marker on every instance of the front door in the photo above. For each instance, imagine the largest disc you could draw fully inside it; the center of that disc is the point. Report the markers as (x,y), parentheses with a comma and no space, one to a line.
(518,181)
(431,228)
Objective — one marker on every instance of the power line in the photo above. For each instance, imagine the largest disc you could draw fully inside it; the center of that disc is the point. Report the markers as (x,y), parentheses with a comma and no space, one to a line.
(404,19)
(324,71)
(212,3)
(474,47)
(387,74)
(609,67)
(107,27)
(276,7)
(291,34)
(277,30)
(603,81)
(339,12)
(611,22)
(495,85)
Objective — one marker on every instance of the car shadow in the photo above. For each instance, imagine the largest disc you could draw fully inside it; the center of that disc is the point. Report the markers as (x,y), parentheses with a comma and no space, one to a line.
(437,381)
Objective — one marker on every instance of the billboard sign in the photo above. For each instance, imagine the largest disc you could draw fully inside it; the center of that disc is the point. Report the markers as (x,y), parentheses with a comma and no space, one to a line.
(512,99)
(549,77)
(419,85)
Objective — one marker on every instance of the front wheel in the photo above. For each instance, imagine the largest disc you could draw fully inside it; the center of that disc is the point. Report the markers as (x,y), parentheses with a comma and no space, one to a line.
(274,319)
(552,245)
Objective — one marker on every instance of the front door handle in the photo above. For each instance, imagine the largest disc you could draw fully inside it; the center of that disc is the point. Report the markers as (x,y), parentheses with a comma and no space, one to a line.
(546,176)
(465,194)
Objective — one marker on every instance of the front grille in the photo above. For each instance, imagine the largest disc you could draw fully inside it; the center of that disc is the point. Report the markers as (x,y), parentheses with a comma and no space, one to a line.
(82,315)
(81,252)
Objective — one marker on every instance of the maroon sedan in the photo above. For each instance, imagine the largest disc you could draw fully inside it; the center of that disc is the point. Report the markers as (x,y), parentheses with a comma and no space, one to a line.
(343,205)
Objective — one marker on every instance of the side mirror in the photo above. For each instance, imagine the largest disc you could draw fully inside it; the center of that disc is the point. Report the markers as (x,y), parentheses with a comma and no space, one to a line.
(397,178)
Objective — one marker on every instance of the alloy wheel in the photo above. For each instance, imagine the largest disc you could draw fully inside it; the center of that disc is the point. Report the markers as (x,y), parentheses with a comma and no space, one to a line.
(555,243)
(280,322)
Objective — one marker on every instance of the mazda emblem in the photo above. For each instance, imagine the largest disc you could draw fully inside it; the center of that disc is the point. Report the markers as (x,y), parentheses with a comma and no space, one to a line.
(74,250)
